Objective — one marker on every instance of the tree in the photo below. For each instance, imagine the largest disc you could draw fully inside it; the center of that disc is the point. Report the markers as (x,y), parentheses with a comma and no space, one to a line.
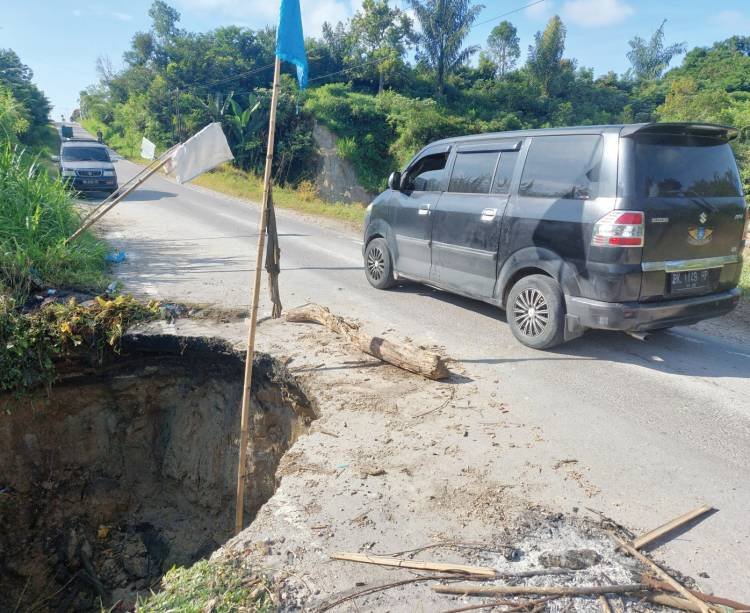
(445,25)
(650,59)
(142,49)
(16,76)
(338,42)
(546,54)
(164,18)
(380,34)
(503,47)
(13,121)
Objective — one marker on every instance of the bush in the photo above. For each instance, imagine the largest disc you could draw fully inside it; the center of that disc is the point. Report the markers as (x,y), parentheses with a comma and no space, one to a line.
(363,129)
(31,344)
(36,216)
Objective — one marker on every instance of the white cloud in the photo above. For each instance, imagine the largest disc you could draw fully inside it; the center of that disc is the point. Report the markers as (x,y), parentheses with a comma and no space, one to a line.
(258,13)
(593,13)
(540,10)
(122,16)
(732,21)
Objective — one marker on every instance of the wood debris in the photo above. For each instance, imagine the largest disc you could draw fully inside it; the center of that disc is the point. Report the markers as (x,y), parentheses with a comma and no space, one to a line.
(664,590)
(476,589)
(702,606)
(408,357)
(670,526)
(480,571)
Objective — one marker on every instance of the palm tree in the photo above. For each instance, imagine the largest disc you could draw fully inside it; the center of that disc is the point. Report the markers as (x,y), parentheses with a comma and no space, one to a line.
(445,25)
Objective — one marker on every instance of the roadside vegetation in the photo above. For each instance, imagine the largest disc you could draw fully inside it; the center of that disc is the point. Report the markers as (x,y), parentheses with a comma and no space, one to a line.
(32,343)
(221,586)
(37,214)
(384,107)
(243,184)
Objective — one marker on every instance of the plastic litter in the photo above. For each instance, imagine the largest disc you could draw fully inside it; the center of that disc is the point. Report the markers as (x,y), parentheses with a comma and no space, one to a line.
(116,257)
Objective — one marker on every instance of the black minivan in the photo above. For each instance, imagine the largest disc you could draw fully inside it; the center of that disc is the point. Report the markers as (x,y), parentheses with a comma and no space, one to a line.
(625,227)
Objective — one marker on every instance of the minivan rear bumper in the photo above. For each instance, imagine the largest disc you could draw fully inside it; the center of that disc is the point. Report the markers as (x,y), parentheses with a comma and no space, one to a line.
(641,316)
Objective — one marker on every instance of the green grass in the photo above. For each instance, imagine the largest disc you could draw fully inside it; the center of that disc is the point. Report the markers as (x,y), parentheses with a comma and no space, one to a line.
(217,586)
(37,214)
(234,182)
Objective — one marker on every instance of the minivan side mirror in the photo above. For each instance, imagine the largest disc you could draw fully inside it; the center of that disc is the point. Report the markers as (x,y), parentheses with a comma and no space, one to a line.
(54,158)
(394,181)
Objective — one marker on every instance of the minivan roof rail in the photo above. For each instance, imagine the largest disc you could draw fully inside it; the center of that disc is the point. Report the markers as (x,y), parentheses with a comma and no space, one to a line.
(711,130)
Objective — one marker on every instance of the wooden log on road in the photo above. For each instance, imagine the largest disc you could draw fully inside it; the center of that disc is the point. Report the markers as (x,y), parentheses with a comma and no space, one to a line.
(416,360)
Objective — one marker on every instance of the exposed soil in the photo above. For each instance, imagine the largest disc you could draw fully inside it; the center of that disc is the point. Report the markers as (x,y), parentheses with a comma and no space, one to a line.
(125,469)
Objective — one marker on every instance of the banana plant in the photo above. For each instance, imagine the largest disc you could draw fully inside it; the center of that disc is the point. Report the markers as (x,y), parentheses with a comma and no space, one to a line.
(243,123)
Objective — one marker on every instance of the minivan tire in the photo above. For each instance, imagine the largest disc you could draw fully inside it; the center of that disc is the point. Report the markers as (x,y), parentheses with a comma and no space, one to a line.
(379,264)
(536,312)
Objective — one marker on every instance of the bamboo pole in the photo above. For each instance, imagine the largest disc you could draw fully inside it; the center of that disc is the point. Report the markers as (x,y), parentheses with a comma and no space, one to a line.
(244,434)
(95,216)
(678,587)
(480,571)
(126,186)
(473,589)
(665,529)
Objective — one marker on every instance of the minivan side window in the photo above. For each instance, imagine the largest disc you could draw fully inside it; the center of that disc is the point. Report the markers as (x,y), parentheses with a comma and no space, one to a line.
(563,167)
(504,173)
(427,174)
(472,172)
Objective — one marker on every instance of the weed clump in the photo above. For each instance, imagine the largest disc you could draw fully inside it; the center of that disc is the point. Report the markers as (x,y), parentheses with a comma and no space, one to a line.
(31,344)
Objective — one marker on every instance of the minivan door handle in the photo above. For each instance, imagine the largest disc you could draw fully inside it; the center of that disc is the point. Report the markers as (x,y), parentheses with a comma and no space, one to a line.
(488,214)
(424,209)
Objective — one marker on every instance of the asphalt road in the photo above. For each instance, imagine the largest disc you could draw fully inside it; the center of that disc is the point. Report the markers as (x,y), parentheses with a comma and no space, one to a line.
(656,427)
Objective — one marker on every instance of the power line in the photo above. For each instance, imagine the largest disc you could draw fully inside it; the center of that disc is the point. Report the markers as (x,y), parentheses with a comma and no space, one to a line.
(241,75)
(516,10)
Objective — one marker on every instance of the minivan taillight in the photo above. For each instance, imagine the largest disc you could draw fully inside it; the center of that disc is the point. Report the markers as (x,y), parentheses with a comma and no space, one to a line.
(619,229)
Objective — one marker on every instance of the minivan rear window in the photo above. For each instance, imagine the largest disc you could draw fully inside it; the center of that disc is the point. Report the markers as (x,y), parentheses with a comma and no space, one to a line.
(671,170)
(563,167)
(85,154)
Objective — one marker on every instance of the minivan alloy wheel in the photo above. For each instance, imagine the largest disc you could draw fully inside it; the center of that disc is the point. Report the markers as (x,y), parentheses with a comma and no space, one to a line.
(375,263)
(378,264)
(531,312)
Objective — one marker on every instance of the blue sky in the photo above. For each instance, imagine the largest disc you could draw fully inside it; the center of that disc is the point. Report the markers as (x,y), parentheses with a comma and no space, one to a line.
(61,40)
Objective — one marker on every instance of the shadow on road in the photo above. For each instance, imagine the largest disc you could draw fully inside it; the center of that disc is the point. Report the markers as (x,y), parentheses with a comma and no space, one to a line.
(148,195)
(675,352)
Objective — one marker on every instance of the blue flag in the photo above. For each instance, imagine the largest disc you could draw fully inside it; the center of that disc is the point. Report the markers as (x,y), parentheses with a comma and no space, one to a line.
(290,43)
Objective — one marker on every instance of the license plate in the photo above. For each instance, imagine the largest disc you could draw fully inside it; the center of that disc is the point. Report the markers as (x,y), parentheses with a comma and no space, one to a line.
(689,280)
(90,181)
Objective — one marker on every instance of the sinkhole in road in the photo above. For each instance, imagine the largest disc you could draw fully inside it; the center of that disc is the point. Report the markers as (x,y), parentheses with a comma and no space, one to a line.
(126,468)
